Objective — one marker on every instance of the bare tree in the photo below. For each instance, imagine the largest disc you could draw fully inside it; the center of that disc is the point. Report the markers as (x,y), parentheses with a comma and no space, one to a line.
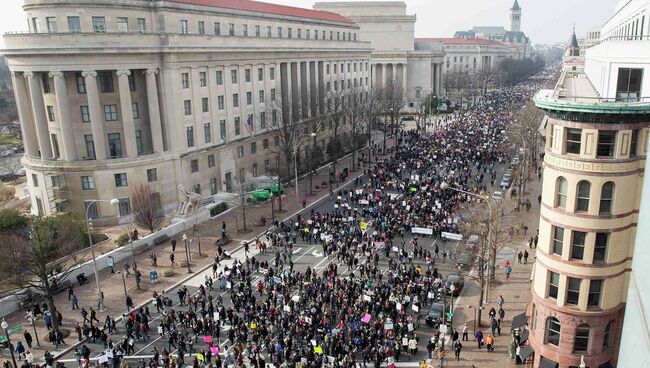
(335,112)
(42,255)
(285,131)
(372,107)
(355,118)
(146,211)
(393,97)
(486,77)
(458,79)
(12,164)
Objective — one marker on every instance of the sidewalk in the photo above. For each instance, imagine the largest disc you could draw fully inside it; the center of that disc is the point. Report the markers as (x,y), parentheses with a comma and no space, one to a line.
(515,291)
(209,232)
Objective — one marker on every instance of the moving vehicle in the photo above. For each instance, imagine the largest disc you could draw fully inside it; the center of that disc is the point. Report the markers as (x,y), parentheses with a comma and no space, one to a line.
(458,283)
(434,317)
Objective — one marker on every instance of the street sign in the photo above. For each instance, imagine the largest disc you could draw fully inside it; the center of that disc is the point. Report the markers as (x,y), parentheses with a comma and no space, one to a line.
(449,315)
(16,328)
(3,338)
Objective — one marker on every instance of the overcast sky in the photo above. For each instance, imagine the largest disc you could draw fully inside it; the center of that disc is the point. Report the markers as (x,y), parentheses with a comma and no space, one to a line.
(545,21)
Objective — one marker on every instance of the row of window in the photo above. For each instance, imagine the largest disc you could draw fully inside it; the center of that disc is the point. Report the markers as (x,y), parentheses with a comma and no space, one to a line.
(267,32)
(573,289)
(106,84)
(99,25)
(110,112)
(577,244)
(581,337)
(583,196)
(74,24)
(606,142)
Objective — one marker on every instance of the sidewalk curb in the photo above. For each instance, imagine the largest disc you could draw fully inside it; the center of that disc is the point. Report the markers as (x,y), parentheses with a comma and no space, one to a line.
(195,273)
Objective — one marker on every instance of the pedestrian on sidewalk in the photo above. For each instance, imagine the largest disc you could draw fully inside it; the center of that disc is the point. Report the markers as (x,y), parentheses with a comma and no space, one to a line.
(77,329)
(478,337)
(70,291)
(84,314)
(500,301)
(75,302)
(129,304)
(93,315)
(489,343)
(441,356)
(28,339)
(525,257)
(174,244)
(508,270)
(458,346)
(465,332)
(111,263)
(431,347)
(171,258)
(493,326)
(519,256)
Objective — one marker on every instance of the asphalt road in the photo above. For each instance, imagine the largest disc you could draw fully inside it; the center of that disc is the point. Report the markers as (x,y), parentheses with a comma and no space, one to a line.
(305,255)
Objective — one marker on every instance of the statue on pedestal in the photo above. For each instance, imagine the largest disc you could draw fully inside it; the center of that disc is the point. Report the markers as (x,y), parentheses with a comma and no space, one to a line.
(188,202)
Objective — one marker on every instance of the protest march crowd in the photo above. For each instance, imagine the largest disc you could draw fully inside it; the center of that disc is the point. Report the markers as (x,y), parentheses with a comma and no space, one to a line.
(365,305)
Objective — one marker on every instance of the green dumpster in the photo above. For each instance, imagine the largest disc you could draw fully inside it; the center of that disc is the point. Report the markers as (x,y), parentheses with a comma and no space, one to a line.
(260,195)
(275,188)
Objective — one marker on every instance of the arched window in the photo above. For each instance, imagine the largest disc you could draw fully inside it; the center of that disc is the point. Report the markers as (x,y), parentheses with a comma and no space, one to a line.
(581,341)
(553,331)
(561,188)
(582,196)
(606,197)
(607,336)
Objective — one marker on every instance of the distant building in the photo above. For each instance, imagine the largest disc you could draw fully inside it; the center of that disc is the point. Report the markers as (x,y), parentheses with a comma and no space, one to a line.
(395,56)
(517,40)
(592,254)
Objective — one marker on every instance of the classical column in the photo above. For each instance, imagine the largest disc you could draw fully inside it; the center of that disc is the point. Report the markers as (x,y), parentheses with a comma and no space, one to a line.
(394,74)
(40,119)
(373,76)
(440,67)
(154,110)
(404,79)
(96,115)
(61,91)
(383,75)
(25,115)
(127,113)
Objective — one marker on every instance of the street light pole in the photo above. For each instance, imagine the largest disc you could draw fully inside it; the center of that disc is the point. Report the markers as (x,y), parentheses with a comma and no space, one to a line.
(295,167)
(126,294)
(114,201)
(4,326)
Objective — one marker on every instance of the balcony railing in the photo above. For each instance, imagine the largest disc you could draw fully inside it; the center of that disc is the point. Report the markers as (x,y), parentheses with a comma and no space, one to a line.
(551,99)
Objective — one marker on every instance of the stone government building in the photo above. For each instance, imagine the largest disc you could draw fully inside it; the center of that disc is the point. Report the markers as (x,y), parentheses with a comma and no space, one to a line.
(115,93)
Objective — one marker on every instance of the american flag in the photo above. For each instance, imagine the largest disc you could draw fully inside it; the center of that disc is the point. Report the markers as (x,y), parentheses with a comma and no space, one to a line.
(249,125)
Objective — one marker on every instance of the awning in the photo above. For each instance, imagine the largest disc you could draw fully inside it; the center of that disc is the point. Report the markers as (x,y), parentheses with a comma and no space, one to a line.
(606,365)
(525,352)
(547,363)
(519,321)
(523,337)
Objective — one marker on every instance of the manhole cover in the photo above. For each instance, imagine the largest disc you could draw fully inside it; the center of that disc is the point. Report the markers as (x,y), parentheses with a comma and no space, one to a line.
(516,296)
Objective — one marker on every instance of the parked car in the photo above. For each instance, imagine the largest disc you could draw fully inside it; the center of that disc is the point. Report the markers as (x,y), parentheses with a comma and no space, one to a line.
(455,280)
(505,183)
(7,176)
(435,314)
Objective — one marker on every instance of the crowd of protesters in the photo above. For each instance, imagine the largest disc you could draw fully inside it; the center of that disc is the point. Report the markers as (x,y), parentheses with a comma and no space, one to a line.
(347,310)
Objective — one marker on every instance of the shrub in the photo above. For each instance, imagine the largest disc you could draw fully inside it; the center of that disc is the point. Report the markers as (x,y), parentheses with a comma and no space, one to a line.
(6,192)
(122,239)
(182,263)
(221,207)
(167,271)
(12,220)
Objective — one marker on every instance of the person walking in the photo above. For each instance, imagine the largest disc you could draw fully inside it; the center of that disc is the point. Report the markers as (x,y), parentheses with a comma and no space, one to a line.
(84,314)
(431,347)
(501,301)
(489,343)
(111,263)
(75,302)
(525,256)
(441,356)
(93,315)
(465,332)
(28,339)
(174,244)
(478,337)
(508,270)
(458,346)
(519,256)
